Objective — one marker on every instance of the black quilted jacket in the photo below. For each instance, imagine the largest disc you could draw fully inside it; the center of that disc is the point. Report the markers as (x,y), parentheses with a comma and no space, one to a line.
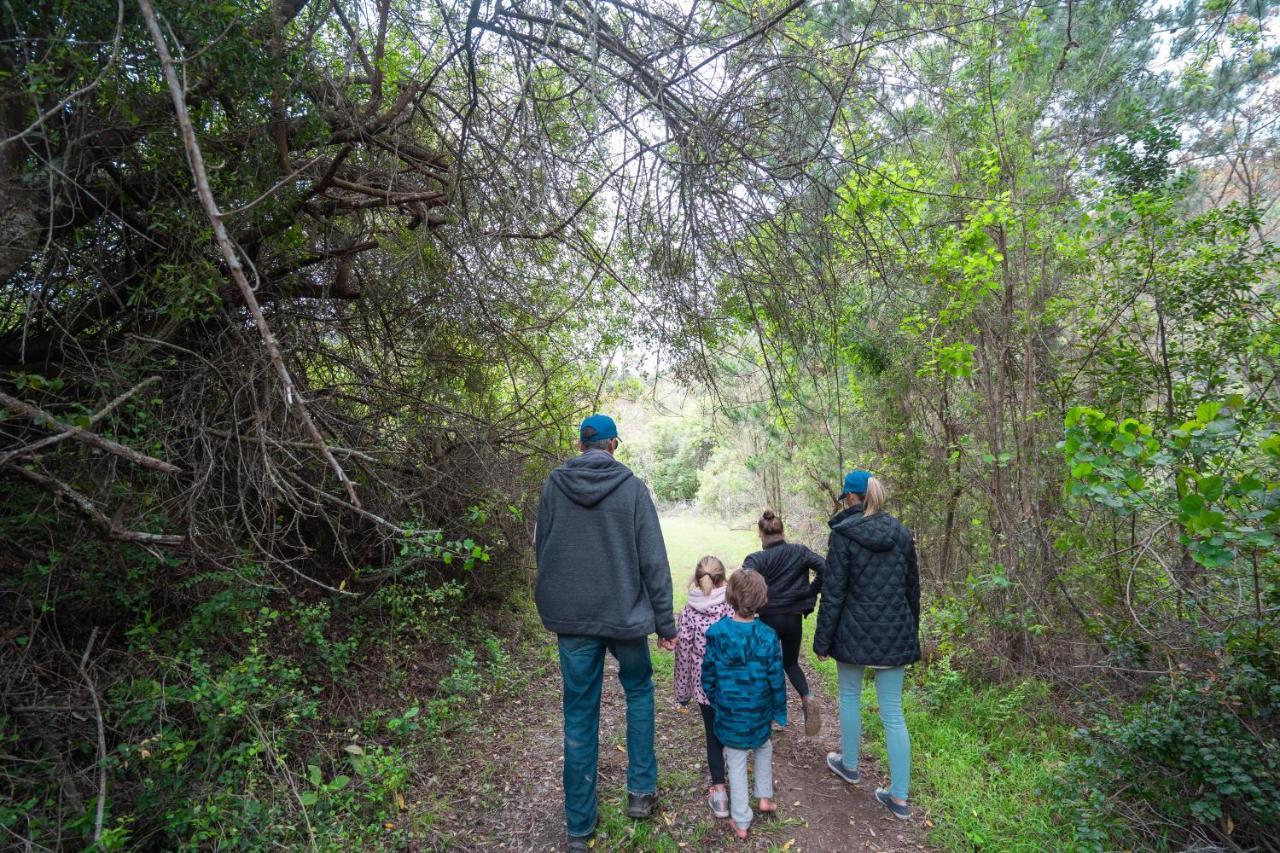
(870,609)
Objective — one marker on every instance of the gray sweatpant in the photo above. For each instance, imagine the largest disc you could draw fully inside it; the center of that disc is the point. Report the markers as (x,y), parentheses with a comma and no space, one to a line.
(736,764)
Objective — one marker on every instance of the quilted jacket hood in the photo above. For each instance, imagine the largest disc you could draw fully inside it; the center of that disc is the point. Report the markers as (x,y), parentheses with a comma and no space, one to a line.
(877,532)
(590,478)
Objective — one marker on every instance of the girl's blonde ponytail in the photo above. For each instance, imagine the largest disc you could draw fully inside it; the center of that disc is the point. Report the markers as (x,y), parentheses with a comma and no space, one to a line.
(873,500)
(709,574)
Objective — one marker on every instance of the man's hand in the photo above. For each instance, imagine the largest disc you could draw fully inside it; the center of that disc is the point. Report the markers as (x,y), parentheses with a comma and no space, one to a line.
(667,645)
(822,657)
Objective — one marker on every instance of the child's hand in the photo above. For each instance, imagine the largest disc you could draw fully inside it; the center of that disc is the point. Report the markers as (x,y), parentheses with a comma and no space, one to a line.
(668,644)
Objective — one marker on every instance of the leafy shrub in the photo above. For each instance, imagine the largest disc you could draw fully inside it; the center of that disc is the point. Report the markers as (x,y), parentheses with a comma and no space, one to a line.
(1201,751)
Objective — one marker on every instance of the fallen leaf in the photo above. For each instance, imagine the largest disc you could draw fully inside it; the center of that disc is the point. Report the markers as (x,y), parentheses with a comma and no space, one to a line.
(791,842)
(400,801)
(796,803)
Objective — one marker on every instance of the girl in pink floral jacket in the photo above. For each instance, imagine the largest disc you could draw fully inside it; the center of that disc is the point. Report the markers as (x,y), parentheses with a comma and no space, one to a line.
(705,607)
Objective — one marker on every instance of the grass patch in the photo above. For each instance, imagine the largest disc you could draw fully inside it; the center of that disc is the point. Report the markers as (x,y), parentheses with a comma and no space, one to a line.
(690,538)
(985,760)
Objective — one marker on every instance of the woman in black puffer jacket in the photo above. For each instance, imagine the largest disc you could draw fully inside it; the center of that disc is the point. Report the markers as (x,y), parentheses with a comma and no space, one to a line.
(870,618)
(785,567)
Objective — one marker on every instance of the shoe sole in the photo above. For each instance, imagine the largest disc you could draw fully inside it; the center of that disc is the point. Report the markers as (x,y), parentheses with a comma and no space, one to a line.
(813,723)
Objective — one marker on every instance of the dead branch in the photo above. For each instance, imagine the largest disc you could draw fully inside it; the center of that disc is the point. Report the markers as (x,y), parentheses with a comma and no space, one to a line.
(97,516)
(102,737)
(196,160)
(43,419)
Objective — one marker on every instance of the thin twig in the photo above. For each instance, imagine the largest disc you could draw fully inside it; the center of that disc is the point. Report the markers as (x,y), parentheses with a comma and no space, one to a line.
(102,737)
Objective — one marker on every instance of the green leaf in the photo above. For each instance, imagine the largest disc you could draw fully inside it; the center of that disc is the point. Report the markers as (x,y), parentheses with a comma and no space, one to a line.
(308,798)
(1206,412)
(1082,470)
(339,782)
(1191,504)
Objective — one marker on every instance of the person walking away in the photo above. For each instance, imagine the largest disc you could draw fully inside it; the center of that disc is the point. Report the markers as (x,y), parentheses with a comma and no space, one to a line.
(705,606)
(786,567)
(743,681)
(603,585)
(869,617)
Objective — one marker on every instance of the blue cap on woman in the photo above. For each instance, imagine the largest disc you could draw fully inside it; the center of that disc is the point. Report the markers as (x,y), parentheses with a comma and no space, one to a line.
(855,483)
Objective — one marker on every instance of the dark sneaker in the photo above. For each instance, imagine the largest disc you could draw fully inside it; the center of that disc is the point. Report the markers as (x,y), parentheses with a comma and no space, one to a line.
(640,806)
(812,717)
(579,844)
(899,811)
(836,762)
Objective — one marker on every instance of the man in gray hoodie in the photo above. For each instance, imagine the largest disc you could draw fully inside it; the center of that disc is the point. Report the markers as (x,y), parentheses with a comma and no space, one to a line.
(603,584)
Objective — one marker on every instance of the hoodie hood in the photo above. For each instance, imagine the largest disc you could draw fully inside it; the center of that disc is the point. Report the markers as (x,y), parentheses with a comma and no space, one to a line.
(705,603)
(590,478)
(877,532)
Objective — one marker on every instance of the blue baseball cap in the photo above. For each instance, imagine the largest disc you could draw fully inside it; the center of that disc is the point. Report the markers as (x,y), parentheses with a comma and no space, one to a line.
(855,483)
(597,428)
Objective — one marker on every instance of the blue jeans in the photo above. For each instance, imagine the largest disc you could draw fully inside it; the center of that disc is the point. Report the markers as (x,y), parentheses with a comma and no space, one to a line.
(582,670)
(889,696)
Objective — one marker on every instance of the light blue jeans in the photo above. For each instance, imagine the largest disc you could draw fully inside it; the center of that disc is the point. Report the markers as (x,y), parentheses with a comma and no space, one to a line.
(889,696)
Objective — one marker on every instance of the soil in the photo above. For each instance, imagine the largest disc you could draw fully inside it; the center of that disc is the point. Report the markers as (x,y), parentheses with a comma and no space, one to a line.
(503,789)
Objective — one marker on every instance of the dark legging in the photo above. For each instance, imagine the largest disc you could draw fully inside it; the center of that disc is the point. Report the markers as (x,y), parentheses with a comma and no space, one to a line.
(715,749)
(790,628)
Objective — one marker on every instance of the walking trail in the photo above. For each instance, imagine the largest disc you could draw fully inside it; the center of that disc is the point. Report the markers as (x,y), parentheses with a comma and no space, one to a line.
(505,792)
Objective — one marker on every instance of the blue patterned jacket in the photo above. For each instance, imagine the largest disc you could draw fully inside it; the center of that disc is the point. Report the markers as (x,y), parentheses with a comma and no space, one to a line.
(742,677)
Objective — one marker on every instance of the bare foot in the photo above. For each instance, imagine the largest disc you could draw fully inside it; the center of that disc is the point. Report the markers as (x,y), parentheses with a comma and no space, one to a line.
(767,806)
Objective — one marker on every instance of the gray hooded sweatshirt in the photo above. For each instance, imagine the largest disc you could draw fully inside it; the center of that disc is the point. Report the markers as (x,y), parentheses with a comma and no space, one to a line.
(602,564)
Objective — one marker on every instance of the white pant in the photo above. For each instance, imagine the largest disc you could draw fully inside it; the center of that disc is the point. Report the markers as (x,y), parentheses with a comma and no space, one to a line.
(736,764)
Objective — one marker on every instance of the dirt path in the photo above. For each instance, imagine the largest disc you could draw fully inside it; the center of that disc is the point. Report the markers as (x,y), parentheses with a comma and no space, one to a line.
(502,791)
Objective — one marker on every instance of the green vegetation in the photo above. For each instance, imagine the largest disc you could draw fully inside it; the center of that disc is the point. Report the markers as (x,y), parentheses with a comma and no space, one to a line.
(272,429)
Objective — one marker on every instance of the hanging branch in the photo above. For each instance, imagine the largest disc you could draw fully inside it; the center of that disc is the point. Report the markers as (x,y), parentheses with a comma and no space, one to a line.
(42,418)
(196,159)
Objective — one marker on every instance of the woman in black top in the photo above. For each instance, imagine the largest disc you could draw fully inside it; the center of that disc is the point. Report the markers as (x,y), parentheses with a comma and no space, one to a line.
(785,567)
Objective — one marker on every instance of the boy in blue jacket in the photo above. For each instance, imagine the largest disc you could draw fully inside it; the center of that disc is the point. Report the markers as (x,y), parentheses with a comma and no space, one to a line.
(743,678)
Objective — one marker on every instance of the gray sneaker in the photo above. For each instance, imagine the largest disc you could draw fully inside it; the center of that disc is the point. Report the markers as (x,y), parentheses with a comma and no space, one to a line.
(836,762)
(719,801)
(901,812)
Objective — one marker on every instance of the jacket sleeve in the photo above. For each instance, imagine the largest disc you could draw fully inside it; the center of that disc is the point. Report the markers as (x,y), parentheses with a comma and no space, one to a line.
(814,564)
(749,561)
(709,683)
(778,683)
(913,580)
(684,675)
(540,525)
(835,583)
(655,571)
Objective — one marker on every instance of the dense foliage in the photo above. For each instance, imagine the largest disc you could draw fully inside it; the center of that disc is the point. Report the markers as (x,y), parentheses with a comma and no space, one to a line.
(1017,259)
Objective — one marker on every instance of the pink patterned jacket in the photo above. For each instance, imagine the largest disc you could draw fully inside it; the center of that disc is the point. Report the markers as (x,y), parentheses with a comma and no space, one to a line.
(699,614)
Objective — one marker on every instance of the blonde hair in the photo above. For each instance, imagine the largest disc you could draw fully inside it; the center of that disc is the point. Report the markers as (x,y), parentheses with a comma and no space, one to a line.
(747,592)
(708,575)
(873,500)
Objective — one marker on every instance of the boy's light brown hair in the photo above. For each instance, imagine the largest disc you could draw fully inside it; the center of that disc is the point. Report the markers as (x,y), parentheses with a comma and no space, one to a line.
(746,592)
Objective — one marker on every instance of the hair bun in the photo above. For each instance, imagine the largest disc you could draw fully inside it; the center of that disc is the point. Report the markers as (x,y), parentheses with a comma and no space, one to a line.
(768,515)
